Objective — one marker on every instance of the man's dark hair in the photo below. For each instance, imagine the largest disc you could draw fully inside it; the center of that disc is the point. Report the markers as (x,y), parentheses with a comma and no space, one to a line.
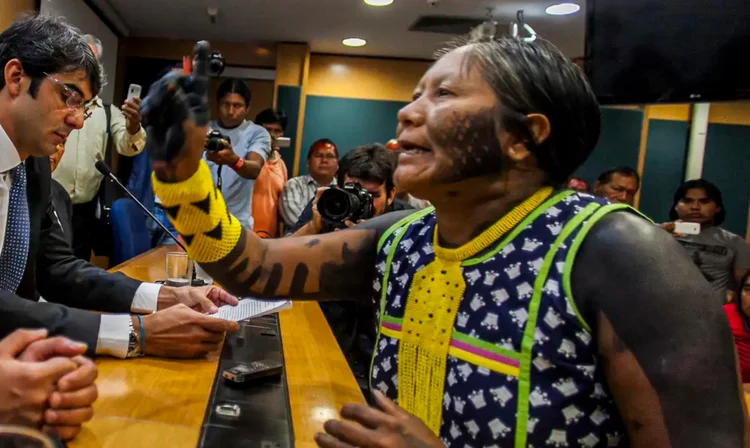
(372,163)
(46,44)
(320,144)
(233,85)
(626,171)
(271,116)
(712,191)
(535,78)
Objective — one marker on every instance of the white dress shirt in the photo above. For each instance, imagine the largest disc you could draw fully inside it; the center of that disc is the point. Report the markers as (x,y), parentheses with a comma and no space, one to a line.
(76,171)
(114,330)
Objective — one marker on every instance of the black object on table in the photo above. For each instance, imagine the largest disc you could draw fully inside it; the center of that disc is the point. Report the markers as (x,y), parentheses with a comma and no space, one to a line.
(254,415)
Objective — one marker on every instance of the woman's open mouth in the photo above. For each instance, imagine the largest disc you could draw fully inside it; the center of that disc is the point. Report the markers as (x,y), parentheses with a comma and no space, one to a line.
(412,149)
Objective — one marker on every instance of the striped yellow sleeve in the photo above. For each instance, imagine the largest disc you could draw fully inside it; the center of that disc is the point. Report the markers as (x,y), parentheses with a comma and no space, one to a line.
(198,212)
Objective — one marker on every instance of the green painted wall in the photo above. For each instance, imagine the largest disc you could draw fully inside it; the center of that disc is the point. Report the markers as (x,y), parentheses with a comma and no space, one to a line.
(348,122)
(619,143)
(664,166)
(726,163)
(288,99)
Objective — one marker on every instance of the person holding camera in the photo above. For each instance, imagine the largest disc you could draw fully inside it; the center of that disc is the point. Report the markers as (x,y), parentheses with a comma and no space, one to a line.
(236,149)
(365,172)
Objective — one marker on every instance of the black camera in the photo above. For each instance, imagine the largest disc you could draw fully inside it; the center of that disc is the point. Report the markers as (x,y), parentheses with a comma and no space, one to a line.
(352,202)
(216,63)
(213,141)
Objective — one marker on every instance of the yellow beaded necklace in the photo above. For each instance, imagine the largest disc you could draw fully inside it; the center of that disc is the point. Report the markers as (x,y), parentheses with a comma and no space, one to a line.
(431,308)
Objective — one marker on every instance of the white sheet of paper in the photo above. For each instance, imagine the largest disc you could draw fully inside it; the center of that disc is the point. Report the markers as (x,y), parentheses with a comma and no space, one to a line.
(249,308)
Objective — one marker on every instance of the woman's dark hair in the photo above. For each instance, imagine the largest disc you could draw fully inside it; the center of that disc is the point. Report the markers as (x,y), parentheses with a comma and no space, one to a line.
(535,78)
(738,301)
(372,163)
(46,44)
(271,116)
(712,191)
(233,85)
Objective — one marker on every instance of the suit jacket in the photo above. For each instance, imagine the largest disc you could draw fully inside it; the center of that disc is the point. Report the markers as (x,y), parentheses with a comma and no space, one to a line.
(70,284)
(63,208)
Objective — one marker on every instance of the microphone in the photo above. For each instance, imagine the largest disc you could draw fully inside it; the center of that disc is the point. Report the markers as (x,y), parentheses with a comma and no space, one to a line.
(104,169)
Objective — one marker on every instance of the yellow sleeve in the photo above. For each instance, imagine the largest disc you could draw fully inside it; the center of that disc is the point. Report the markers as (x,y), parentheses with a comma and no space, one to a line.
(198,212)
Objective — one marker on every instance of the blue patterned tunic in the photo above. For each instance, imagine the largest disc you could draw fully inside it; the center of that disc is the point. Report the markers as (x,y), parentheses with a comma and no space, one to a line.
(522,368)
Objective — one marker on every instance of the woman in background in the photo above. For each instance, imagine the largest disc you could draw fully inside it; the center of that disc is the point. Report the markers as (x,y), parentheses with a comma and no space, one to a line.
(738,314)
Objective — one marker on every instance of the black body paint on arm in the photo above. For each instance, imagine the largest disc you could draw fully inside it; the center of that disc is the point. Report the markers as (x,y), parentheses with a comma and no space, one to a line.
(664,343)
(335,266)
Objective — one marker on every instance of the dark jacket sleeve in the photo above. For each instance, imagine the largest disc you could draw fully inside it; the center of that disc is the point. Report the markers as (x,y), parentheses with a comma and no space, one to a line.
(64,279)
(304,217)
(18,312)
(64,208)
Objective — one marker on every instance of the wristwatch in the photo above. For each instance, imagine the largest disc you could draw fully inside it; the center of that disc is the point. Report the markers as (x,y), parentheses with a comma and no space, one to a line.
(134,343)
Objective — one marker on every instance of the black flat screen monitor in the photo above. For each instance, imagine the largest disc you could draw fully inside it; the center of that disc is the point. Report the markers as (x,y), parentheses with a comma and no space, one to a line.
(652,51)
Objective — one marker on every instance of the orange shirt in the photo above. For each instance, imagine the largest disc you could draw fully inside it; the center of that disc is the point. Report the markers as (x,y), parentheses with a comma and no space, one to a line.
(266,193)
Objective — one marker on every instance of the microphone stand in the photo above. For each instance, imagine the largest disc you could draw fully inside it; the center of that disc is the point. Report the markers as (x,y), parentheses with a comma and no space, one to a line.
(107,172)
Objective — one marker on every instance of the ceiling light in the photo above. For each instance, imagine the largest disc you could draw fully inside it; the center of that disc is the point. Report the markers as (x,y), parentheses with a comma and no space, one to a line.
(562,9)
(354,42)
(378,2)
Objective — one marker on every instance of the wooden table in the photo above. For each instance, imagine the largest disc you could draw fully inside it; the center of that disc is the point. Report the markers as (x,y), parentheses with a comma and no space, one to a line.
(160,402)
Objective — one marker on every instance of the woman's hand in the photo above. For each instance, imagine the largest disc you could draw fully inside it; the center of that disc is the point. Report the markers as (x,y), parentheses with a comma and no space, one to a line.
(387,427)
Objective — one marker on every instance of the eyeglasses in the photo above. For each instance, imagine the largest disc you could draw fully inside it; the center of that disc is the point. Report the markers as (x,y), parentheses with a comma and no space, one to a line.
(73,99)
(324,156)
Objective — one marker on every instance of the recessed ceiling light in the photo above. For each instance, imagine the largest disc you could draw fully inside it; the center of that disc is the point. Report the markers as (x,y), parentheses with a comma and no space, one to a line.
(354,42)
(562,9)
(378,2)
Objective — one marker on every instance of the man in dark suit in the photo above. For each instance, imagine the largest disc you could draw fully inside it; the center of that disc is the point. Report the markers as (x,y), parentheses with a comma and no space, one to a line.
(49,75)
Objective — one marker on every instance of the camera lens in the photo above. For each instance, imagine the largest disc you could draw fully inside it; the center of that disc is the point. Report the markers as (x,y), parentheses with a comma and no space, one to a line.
(336,205)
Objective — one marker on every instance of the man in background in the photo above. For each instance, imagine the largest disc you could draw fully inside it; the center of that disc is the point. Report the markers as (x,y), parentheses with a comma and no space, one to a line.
(77,173)
(371,166)
(722,256)
(272,177)
(618,185)
(239,162)
(322,164)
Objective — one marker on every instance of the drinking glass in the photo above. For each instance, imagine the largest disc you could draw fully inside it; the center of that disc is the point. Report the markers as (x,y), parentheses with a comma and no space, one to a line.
(179,269)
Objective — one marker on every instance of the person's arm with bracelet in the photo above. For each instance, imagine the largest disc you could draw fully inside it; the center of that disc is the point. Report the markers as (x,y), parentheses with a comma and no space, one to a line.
(258,148)
(78,284)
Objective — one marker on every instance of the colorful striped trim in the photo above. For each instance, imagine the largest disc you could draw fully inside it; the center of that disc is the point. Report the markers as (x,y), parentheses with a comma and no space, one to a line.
(467,348)
(570,258)
(527,344)
(388,262)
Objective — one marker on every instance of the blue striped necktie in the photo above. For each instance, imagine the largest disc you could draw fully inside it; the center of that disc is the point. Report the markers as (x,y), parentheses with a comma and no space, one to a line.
(16,246)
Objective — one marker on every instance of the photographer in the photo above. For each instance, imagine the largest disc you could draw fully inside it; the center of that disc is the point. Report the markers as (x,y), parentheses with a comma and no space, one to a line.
(243,149)
(371,166)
